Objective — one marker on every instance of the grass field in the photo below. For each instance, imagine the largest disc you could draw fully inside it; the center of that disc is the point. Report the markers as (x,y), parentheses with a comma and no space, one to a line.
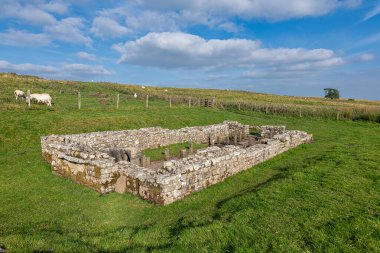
(323,196)
(157,154)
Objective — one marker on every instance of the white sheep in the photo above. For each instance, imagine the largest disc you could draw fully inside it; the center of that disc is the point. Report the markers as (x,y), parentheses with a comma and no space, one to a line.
(19,94)
(41,98)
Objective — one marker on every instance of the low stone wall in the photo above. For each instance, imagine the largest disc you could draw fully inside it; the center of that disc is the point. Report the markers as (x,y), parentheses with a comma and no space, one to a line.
(85,158)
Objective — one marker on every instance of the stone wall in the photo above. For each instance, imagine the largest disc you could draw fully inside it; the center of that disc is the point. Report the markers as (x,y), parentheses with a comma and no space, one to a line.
(85,158)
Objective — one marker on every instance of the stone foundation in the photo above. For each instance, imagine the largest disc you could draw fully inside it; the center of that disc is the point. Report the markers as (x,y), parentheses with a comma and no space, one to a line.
(112,161)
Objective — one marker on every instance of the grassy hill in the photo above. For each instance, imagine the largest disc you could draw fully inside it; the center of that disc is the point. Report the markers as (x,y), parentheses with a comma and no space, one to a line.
(323,196)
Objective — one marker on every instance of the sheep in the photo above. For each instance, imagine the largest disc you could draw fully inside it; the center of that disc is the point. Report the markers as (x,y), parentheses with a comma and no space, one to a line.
(41,98)
(135,95)
(19,94)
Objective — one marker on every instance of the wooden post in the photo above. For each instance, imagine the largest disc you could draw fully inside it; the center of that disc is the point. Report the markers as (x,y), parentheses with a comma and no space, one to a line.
(337,115)
(300,113)
(117,100)
(199,101)
(239,106)
(28,98)
(170,101)
(79,100)
(147,101)
(189,102)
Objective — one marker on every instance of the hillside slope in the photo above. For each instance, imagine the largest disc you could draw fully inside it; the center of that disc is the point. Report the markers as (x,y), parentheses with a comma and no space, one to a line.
(323,196)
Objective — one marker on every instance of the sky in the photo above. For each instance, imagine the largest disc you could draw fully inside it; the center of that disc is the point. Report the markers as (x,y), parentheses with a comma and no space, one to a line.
(286,47)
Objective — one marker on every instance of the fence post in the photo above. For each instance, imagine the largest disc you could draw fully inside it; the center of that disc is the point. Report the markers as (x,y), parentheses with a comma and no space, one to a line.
(117,100)
(147,101)
(189,102)
(199,101)
(239,106)
(300,113)
(79,100)
(28,98)
(170,101)
(337,115)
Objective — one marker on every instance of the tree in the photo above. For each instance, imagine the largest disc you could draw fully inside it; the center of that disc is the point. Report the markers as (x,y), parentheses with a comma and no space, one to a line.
(331,93)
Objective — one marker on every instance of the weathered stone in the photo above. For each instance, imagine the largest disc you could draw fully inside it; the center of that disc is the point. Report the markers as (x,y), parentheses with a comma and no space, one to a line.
(121,184)
(110,161)
(182,153)
(166,154)
(191,148)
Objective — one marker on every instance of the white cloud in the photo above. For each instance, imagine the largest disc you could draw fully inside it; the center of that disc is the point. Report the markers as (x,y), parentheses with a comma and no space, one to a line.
(153,21)
(86,56)
(141,16)
(106,27)
(83,69)
(249,9)
(55,7)
(68,30)
(182,50)
(27,68)
(24,39)
(229,27)
(366,57)
(60,70)
(28,13)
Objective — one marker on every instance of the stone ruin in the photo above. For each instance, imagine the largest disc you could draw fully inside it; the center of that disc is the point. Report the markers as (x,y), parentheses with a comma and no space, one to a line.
(113,161)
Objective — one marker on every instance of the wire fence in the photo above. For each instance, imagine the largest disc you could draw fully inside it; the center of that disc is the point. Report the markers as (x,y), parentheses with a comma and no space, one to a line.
(80,96)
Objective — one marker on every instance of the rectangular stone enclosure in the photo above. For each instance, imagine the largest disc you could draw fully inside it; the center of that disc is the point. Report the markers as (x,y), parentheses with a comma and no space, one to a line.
(113,161)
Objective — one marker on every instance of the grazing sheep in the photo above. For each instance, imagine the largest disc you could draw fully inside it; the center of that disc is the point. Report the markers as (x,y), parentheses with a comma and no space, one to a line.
(135,95)
(41,98)
(143,87)
(19,94)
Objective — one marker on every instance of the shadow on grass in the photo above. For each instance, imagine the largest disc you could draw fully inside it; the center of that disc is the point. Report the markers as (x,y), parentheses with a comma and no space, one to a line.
(217,214)
(180,225)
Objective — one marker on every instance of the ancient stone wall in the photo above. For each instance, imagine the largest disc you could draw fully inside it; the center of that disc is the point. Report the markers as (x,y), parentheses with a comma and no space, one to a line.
(86,159)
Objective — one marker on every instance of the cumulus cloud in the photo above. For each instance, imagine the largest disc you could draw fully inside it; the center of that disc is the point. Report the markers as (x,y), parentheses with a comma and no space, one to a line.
(86,56)
(29,13)
(187,51)
(106,27)
(59,70)
(141,16)
(23,38)
(69,30)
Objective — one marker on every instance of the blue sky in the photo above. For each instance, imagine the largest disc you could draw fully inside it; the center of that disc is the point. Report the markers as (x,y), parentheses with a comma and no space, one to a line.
(289,47)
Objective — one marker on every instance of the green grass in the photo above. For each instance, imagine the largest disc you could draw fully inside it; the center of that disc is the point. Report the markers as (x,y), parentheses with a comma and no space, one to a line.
(157,154)
(323,196)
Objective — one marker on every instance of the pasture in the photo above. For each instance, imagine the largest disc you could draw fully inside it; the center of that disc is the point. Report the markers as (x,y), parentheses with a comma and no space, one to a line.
(323,196)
